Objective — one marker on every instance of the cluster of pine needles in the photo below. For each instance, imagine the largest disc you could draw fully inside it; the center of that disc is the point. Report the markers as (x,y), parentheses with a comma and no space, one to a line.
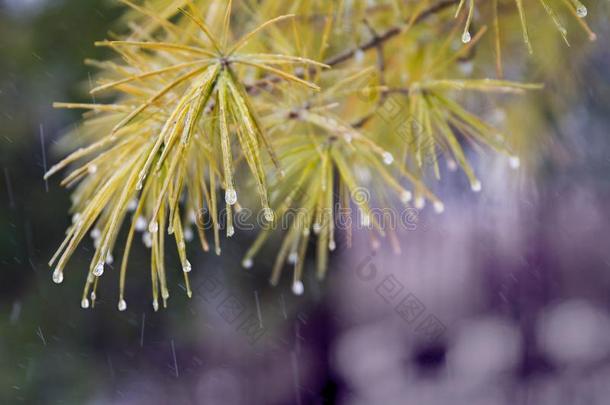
(214,105)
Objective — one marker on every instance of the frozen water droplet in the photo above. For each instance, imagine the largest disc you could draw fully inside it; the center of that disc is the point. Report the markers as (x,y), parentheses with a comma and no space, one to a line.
(466,38)
(268,214)
(332,245)
(187,267)
(298,288)
(317,228)
(122,306)
(420,203)
(58,276)
(99,269)
(476,186)
(388,158)
(84,304)
(231,196)
(439,207)
(92,169)
(247,263)
(582,11)
(153,227)
(406,196)
(515,162)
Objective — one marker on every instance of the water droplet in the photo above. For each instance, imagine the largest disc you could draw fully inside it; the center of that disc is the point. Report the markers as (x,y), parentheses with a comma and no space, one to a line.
(109,259)
(95,234)
(141,224)
(99,269)
(439,207)
(247,263)
(317,228)
(170,230)
(231,196)
(84,304)
(230,231)
(122,306)
(452,165)
(58,276)
(332,245)
(466,38)
(187,267)
(188,234)
(298,288)
(388,158)
(406,196)
(582,11)
(76,218)
(147,239)
(92,169)
(133,204)
(153,227)
(93,296)
(420,203)
(155,305)
(476,186)
(293,257)
(268,214)
(515,162)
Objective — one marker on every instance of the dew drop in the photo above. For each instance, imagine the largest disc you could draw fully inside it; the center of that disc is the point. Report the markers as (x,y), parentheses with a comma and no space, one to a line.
(155,305)
(268,214)
(153,227)
(359,56)
(187,267)
(466,38)
(95,234)
(317,228)
(582,11)
(230,231)
(298,288)
(133,204)
(109,259)
(99,269)
(439,207)
(231,196)
(84,304)
(476,186)
(292,258)
(188,234)
(332,245)
(420,203)
(140,224)
(139,186)
(122,306)
(93,296)
(247,263)
(406,196)
(147,239)
(58,276)
(92,169)
(388,158)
